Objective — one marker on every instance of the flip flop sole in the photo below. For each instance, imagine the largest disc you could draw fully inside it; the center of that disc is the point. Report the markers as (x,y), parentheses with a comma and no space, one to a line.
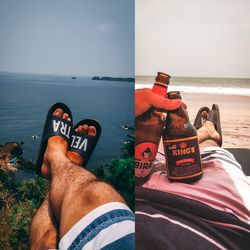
(53,125)
(215,107)
(84,144)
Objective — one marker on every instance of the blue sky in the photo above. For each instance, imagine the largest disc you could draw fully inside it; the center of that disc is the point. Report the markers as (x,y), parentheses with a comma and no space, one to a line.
(73,37)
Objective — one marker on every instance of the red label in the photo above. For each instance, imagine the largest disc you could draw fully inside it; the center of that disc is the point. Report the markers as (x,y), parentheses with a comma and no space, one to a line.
(183,158)
(145,154)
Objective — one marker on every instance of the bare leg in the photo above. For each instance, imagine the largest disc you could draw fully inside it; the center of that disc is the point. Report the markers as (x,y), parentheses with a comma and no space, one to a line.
(44,228)
(43,231)
(74,191)
(69,182)
(208,136)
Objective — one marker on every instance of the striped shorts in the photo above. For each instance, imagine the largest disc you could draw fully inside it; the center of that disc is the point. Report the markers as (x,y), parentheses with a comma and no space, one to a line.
(109,226)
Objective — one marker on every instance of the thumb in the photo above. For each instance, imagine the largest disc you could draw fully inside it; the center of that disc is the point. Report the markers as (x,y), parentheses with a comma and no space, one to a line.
(161,102)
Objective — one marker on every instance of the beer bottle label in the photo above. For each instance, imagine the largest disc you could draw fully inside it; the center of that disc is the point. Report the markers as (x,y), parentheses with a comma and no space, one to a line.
(145,154)
(183,158)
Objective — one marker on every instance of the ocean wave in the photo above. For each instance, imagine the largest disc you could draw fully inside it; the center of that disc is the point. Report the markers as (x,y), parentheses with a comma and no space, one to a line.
(203,90)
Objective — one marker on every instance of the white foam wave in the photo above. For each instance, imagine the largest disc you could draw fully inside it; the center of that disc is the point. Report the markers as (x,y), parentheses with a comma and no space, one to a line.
(204,90)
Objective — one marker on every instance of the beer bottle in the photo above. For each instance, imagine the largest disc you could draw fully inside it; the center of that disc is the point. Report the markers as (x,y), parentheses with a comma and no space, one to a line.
(148,131)
(181,145)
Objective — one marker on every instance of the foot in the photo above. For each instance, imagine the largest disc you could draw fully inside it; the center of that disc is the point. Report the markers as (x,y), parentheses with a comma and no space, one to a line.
(83,129)
(208,131)
(56,147)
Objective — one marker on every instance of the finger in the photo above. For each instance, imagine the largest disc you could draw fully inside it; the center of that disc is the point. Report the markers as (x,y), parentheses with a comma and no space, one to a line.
(161,102)
(144,89)
(185,105)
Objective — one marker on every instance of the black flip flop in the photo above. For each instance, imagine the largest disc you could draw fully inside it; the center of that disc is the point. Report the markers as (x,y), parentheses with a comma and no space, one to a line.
(198,122)
(214,117)
(54,125)
(85,144)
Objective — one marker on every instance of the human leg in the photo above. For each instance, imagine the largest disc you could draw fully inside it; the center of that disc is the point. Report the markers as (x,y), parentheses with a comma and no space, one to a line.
(74,191)
(207,135)
(44,228)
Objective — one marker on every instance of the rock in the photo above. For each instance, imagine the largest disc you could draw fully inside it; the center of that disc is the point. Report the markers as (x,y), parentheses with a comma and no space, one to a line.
(96,78)
(11,157)
(118,79)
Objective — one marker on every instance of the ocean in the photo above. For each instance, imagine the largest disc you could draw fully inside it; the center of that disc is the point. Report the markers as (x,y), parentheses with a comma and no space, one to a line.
(25,98)
(216,86)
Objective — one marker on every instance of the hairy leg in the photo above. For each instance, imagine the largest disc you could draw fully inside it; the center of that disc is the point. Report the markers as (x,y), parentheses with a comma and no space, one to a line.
(74,191)
(44,229)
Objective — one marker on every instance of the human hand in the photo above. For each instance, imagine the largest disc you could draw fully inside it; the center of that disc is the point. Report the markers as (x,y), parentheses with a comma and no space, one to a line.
(145,99)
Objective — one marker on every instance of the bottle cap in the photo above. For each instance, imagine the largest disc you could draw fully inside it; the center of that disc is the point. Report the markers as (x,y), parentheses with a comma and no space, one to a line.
(162,77)
(174,95)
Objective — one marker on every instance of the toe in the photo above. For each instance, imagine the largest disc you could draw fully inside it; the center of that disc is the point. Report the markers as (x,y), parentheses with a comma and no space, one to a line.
(58,112)
(65,116)
(92,131)
(85,129)
(80,129)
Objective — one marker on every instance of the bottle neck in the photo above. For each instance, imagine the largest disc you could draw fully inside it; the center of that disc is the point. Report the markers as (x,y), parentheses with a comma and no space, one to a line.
(181,112)
(160,88)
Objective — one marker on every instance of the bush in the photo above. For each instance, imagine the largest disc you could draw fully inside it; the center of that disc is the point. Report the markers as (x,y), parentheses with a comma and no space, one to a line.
(120,174)
(18,203)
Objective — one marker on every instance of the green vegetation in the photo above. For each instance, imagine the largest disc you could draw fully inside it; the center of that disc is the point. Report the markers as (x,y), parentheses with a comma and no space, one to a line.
(19,202)
(120,174)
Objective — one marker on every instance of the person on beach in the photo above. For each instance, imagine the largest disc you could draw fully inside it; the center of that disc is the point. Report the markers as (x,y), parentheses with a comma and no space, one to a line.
(212,213)
(79,211)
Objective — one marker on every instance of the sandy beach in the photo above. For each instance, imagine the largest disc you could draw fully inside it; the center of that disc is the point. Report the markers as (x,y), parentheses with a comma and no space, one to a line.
(234,115)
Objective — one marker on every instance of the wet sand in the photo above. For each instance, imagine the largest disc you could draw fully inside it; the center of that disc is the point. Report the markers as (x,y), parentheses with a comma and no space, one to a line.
(234,115)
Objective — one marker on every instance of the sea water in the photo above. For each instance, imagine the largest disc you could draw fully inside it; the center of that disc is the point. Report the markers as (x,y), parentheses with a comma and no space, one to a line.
(216,86)
(25,98)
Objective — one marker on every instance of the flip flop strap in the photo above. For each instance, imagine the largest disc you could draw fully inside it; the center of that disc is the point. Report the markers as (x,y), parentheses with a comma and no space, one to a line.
(213,117)
(60,127)
(82,144)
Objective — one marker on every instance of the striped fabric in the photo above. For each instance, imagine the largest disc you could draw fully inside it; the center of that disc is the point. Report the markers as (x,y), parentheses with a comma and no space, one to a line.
(168,221)
(224,185)
(213,213)
(110,226)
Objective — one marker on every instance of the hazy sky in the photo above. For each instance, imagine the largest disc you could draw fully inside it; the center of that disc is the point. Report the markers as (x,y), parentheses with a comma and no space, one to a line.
(85,37)
(193,37)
